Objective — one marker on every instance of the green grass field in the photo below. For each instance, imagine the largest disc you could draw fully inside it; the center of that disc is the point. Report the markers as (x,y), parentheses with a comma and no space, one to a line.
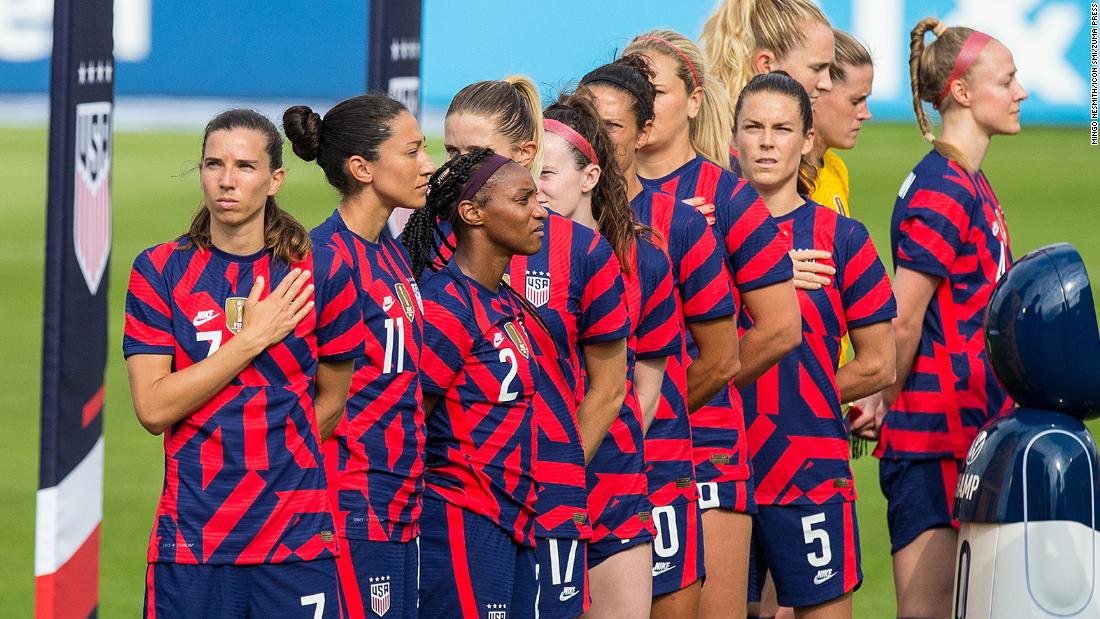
(1045,179)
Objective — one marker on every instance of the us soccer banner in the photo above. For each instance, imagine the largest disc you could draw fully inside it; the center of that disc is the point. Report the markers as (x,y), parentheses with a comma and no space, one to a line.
(74,349)
(393,63)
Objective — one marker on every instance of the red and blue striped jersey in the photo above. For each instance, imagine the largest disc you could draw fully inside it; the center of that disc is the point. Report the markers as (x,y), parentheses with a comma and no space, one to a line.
(477,357)
(575,284)
(757,257)
(244,481)
(375,458)
(616,473)
(947,223)
(796,433)
(703,292)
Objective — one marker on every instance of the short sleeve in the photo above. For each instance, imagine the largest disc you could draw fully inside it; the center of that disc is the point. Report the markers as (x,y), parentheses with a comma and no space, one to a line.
(864,287)
(758,251)
(658,332)
(699,267)
(932,218)
(148,327)
(447,340)
(340,329)
(603,311)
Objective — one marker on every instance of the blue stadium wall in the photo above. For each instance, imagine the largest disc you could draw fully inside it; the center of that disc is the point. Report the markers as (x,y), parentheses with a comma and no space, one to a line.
(316,50)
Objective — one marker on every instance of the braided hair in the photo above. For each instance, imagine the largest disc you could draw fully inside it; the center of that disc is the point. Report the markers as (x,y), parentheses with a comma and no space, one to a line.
(444,188)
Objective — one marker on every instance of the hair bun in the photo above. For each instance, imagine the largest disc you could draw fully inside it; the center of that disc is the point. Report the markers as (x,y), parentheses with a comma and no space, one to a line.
(303,128)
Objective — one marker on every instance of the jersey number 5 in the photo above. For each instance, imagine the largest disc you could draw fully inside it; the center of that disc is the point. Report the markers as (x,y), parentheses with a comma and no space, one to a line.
(812,535)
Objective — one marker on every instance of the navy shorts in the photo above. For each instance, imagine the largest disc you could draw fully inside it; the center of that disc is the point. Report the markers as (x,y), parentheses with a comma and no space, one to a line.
(563,577)
(812,552)
(677,548)
(305,589)
(919,495)
(378,579)
(734,495)
(470,567)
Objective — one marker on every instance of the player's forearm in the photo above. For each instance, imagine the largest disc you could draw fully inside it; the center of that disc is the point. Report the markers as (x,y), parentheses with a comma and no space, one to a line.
(762,347)
(333,383)
(717,362)
(596,414)
(860,378)
(168,399)
(906,339)
(605,365)
(649,374)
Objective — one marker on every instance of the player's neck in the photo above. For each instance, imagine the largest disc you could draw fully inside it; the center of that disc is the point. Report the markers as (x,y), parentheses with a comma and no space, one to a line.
(583,213)
(817,155)
(783,198)
(480,263)
(633,185)
(658,161)
(961,132)
(365,215)
(240,240)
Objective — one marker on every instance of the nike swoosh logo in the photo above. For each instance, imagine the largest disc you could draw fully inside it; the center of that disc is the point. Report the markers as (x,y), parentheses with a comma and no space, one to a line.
(657,571)
(818,579)
(566,596)
(201,320)
(387,303)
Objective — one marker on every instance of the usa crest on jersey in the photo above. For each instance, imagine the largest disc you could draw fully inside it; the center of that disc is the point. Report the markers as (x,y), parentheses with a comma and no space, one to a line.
(92,191)
(538,288)
(380,595)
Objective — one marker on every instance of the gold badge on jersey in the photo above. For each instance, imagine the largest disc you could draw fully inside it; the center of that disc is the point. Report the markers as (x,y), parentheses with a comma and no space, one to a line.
(517,339)
(234,314)
(406,300)
(507,279)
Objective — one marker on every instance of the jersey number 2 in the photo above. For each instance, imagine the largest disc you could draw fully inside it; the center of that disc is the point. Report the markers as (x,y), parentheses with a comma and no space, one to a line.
(507,355)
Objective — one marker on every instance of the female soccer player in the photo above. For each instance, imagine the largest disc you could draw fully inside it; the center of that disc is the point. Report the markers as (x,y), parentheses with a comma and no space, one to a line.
(372,152)
(478,375)
(239,343)
(750,37)
(838,116)
(743,38)
(797,436)
(950,245)
(503,115)
(625,99)
(575,284)
(581,179)
(673,161)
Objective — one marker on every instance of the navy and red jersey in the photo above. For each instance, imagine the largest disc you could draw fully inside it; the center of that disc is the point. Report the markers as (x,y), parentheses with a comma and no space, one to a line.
(375,457)
(947,223)
(703,292)
(796,434)
(477,358)
(575,284)
(244,481)
(616,473)
(757,257)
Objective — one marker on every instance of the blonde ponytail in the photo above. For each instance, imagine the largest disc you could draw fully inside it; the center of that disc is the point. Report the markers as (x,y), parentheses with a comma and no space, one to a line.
(530,93)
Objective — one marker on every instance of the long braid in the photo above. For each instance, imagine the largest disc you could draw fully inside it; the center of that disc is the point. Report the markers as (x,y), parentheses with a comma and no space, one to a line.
(444,188)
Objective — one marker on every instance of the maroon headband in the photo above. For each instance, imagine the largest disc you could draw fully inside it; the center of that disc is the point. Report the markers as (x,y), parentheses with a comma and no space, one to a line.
(973,47)
(481,176)
(679,53)
(570,135)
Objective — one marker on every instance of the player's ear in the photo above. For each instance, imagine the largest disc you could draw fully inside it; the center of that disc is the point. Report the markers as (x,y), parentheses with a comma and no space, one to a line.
(763,60)
(526,152)
(470,213)
(808,145)
(360,170)
(694,102)
(643,135)
(277,178)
